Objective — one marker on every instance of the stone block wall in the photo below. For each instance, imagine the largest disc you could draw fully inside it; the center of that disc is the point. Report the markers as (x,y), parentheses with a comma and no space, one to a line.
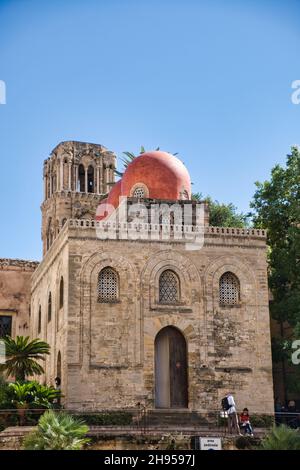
(15,281)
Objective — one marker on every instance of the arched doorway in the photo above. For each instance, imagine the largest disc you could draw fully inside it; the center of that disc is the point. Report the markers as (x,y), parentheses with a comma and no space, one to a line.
(171,378)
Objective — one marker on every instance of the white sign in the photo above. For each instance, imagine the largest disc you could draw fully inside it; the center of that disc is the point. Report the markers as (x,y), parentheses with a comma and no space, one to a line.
(210,443)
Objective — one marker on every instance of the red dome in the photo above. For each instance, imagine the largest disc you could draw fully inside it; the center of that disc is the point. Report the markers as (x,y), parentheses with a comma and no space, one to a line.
(162,176)
(157,175)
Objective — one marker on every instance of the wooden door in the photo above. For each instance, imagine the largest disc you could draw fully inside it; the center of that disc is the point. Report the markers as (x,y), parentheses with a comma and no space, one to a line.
(171,381)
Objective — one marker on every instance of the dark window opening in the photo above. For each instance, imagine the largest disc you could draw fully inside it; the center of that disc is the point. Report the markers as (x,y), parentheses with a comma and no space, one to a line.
(90,179)
(40,321)
(5,325)
(49,307)
(61,293)
(81,178)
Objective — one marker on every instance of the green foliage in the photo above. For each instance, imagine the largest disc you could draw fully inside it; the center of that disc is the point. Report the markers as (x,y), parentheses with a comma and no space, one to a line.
(57,431)
(262,421)
(222,215)
(22,356)
(276,207)
(32,395)
(281,438)
(121,418)
(4,398)
(129,157)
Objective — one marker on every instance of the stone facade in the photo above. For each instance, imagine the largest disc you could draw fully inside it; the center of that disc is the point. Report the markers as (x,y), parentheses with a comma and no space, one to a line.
(106,352)
(107,349)
(15,283)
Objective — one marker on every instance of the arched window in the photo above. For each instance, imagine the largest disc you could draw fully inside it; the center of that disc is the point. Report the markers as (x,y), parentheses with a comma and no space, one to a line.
(61,293)
(168,287)
(40,320)
(229,289)
(81,178)
(53,183)
(49,233)
(108,285)
(48,186)
(139,192)
(63,222)
(90,176)
(49,307)
(58,365)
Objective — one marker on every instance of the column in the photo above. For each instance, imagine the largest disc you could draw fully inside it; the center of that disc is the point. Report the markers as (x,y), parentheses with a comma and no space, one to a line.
(45,187)
(70,179)
(86,180)
(61,175)
(97,179)
(50,180)
(107,179)
(76,177)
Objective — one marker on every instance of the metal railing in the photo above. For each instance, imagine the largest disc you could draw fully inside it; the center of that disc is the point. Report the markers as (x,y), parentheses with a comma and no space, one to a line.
(145,420)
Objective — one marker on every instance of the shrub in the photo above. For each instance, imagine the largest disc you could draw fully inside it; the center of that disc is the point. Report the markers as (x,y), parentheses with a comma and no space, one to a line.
(245,442)
(122,418)
(57,431)
(262,421)
(32,395)
(4,391)
(281,438)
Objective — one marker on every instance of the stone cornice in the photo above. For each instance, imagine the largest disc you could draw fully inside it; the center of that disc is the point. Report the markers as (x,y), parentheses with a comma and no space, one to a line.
(10,264)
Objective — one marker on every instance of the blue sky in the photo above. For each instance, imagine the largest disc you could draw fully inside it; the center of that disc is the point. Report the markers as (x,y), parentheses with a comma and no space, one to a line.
(210,80)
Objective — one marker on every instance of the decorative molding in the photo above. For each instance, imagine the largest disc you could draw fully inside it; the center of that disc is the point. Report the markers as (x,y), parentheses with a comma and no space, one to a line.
(18,264)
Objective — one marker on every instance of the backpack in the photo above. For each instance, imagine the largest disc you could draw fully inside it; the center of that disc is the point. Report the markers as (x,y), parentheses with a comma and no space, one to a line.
(225,404)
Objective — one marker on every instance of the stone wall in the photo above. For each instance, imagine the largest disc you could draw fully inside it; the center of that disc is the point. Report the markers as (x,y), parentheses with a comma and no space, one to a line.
(15,281)
(45,281)
(108,349)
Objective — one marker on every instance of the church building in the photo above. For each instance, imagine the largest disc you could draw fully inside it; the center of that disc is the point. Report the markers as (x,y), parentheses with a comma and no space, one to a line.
(142,319)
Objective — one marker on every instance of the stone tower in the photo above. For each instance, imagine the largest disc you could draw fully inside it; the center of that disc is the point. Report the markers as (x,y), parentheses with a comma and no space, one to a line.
(76,177)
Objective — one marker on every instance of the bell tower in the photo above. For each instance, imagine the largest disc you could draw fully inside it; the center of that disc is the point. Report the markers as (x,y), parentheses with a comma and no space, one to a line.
(77,175)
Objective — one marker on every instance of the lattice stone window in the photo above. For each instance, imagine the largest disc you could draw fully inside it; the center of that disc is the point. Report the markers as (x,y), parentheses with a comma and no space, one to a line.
(139,192)
(229,289)
(5,325)
(168,287)
(108,285)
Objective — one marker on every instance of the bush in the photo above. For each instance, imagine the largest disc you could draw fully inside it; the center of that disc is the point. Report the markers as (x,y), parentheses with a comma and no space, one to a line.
(245,442)
(281,438)
(4,394)
(32,395)
(262,421)
(57,431)
(122,418)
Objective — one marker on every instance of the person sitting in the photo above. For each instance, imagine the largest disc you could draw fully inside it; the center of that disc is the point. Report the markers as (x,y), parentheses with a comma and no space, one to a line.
(245,422)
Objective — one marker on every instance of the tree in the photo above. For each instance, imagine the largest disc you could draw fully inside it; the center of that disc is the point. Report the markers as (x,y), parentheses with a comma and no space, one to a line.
(22,356)
(57,431)
(222,215)
(276,205)
(281,438)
